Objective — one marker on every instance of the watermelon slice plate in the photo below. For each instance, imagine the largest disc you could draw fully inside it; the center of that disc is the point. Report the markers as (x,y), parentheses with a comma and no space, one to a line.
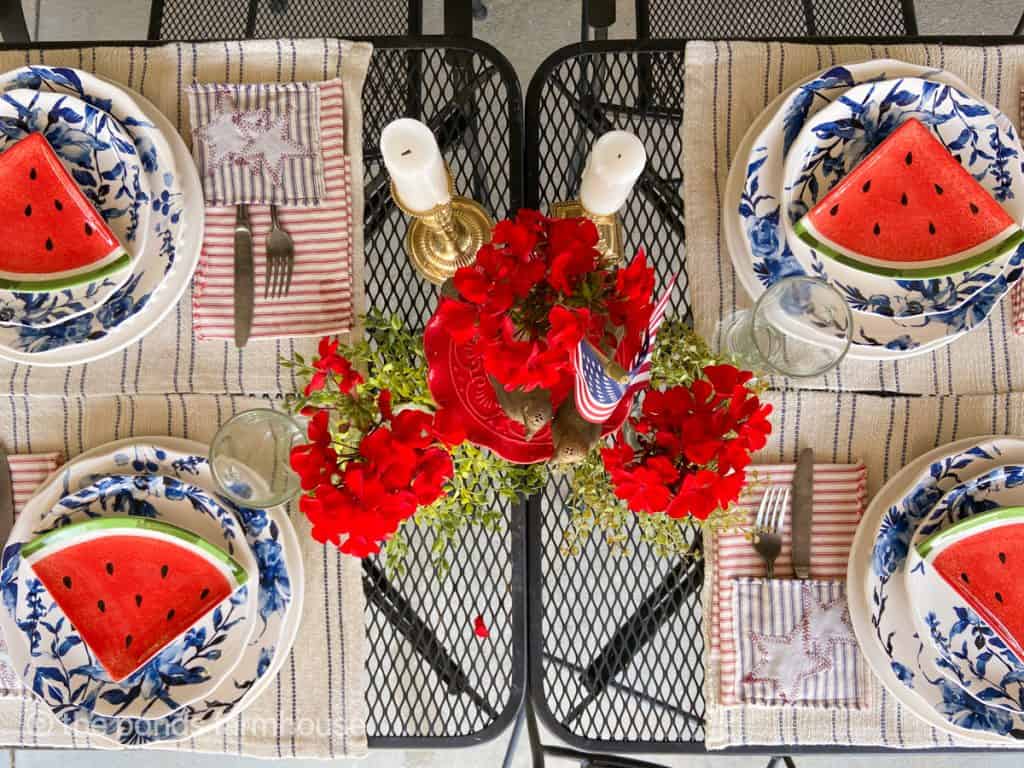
(910,210)
(52,235)
(131,585)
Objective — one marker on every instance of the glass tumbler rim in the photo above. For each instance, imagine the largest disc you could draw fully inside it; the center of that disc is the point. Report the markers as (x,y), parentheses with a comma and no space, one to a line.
(274,501)
(773,290)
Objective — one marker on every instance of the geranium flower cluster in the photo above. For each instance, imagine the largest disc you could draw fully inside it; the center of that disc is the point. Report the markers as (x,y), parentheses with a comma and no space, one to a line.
(692,446)
(535,291)
(367,467)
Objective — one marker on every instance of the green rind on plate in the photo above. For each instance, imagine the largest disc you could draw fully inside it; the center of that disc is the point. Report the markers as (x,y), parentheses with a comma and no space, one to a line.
(39,286)
(955,532)
(69,533)
(901,273)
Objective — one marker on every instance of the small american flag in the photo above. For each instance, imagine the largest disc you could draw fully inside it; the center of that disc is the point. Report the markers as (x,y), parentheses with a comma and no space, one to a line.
(598,394)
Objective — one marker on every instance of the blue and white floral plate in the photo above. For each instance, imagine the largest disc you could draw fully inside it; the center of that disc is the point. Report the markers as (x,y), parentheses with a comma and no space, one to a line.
(878,599)
(103,160)
(164,270)
(270,536)
(753,229)
(837,138)
(189,669)
(965,649)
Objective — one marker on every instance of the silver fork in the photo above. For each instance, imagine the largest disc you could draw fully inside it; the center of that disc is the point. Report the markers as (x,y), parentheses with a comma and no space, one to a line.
(280,260)
(768,525)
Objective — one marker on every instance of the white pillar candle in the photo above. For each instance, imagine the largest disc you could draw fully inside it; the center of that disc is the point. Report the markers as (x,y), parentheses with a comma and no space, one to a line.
(615,163)
(413,159)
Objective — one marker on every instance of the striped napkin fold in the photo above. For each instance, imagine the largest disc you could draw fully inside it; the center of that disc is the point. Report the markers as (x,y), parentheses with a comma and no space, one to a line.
(321,297)
(27,473)
(839,496)
(796,645)
(257,143)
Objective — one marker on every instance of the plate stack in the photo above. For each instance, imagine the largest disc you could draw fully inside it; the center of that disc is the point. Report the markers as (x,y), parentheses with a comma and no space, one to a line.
(140,605)
(934,588)
(127,160)
(921,251)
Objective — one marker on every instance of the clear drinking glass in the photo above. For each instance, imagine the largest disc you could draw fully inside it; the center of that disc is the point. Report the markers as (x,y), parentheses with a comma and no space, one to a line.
(800,327)
(250,458)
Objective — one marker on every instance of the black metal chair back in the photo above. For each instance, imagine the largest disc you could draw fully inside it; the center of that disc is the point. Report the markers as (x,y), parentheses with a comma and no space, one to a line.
(710,19)
(243,19)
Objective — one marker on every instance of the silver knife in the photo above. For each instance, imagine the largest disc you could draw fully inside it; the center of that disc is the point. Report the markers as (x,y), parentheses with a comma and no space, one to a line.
(244,277)
(6,498)
(802,511)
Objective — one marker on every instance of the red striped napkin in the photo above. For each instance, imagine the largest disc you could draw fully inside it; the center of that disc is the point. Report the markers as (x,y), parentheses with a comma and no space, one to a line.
(321,298)
(839,495)
(27,473)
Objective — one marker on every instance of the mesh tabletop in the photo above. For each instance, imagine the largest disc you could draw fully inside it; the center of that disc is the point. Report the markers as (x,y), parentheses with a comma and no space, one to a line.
(580,604)
(456,689)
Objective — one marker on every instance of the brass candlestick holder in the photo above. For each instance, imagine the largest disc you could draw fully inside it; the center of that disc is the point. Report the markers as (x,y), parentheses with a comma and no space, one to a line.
(609,227)
(446,237)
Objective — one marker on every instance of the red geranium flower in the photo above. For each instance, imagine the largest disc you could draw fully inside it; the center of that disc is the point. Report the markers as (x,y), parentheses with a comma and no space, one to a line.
(330,362)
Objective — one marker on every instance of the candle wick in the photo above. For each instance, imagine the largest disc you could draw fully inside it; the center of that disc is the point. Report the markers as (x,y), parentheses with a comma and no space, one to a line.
(406,152)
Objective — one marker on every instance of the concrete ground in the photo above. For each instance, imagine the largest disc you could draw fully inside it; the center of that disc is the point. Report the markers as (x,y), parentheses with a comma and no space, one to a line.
(526,31)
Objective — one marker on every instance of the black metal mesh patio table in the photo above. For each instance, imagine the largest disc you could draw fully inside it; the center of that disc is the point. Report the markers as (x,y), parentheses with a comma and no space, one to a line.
(432,682)
(615,642)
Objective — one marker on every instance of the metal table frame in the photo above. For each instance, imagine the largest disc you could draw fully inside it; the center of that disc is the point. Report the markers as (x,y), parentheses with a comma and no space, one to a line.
(494,173)
(596,116)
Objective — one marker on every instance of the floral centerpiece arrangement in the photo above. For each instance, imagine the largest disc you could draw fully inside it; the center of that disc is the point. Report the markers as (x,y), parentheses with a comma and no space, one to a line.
(383,454)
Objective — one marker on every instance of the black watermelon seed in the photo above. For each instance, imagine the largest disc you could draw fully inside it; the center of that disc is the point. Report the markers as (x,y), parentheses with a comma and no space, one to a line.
(110,568)
(203,595)
(49,244)
(909,158)
(88,228)
(128,641)
(138,600)
(67,581)
(931,228)
(979,642)
(170,614)
(974,208)
(938,189)
(101,605)
(999,597)
(867,186)
(28,210)
(32,174)
(903,199)
(58,205)
(163,571)
(964,577)
(877,230)
(834,209)
(1002,557)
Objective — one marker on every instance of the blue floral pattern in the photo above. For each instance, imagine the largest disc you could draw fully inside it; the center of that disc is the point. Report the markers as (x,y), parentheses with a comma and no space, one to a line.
(890,558)
(104,163)
(983,141)
(165,206)
(276,606)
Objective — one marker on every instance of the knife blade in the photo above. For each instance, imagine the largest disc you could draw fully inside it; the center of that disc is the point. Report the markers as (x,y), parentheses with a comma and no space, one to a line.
(244,277)
(6,498)
(802,495)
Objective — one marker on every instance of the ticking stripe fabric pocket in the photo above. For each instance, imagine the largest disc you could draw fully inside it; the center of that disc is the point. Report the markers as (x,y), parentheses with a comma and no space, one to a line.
(796,645)
(321,299)
(258,143)
(27,473)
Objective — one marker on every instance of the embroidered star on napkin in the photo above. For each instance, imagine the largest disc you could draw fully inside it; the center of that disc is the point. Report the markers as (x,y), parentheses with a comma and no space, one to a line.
(270,146)
(825,623)
(253,138)
(785,661)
